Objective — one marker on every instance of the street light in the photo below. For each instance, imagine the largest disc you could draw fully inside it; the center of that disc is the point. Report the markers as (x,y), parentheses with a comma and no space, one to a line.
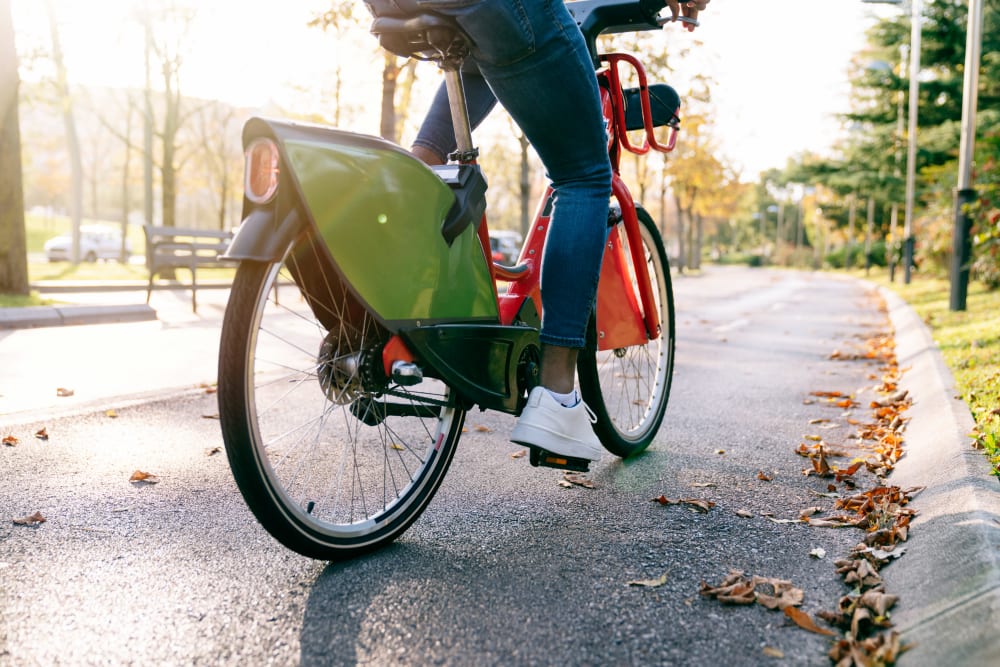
(964,192)
(911,153)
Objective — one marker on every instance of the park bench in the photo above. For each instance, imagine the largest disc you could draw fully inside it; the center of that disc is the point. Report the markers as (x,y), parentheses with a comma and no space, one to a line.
(183,248)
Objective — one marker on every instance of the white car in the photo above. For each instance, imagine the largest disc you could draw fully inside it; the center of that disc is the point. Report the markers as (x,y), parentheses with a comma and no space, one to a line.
(96,242)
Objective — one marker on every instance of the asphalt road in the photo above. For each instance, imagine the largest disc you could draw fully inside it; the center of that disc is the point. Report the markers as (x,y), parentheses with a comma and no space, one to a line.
(506,567)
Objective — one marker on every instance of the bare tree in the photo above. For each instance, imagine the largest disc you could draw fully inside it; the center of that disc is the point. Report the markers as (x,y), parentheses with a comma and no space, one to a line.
(65,101)
(221,154)
(13,250)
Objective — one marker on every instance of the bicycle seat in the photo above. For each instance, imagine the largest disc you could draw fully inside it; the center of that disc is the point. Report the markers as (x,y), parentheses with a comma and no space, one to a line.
(407,29)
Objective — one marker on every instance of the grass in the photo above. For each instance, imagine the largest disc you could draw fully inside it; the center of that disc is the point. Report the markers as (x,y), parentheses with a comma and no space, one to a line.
(17,301)
(970,344)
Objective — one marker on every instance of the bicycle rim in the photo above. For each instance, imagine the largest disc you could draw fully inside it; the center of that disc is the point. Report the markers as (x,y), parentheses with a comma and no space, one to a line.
(628,388)
(329,466)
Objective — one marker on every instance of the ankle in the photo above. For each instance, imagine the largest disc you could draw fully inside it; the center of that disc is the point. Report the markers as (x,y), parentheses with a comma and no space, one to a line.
(566,400)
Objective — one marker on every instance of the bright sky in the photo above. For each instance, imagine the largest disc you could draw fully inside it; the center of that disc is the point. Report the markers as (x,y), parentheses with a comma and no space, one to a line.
(781,65)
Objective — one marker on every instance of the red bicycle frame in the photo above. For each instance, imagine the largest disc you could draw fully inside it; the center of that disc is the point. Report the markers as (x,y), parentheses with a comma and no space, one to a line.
(624,318)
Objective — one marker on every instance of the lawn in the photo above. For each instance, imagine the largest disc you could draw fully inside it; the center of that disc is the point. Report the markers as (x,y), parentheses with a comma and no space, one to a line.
(970,344)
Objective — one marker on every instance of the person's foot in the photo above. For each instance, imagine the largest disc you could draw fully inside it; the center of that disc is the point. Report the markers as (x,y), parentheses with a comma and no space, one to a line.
(547,425)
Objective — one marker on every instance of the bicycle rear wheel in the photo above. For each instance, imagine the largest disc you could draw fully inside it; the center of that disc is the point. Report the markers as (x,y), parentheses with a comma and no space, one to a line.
(627,388)
(331,460)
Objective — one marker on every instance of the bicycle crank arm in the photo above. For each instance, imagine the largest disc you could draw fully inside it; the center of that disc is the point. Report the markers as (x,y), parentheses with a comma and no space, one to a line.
(374,413)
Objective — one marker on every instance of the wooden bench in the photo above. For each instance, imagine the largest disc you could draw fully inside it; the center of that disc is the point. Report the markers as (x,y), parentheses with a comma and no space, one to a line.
(183,248)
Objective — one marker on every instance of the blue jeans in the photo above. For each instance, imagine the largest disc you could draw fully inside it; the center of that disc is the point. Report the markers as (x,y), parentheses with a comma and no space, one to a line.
(533,59)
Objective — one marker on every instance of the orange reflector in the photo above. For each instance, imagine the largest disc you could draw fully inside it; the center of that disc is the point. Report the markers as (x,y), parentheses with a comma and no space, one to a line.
(261,173)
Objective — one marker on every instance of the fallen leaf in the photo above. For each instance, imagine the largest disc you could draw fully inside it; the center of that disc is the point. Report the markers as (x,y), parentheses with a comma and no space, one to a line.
(519,454)
(140,477)
(804,621)
(62,391)
(32,520)
(649,583)
(11,440)
(720,452)
(771,518)
(42,434)
(566,485)
(827,394)
(483,429)
(212,416)
(809,511)
(746,514)
(764,477)
(772,652)
(696,503)
(398,448)
(818,553)
(703,485)
(212,451)
(578,480)
(814,438)
(209,388)
(111,413)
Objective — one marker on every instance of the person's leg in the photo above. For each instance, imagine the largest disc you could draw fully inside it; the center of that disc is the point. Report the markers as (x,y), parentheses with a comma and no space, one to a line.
(535,60)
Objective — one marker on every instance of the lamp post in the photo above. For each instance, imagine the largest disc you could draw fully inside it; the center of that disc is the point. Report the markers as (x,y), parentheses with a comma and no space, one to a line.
(964,192)
(911,153)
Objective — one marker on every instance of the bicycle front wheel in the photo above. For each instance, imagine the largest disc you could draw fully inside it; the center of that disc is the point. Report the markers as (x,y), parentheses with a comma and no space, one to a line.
(627,388)
(331,460)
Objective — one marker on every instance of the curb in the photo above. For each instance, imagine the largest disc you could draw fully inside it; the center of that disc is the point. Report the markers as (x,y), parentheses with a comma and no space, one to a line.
(54,316)
(949,578)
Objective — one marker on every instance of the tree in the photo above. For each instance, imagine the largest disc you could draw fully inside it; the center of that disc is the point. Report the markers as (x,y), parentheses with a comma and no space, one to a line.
(13,250)
(65,101)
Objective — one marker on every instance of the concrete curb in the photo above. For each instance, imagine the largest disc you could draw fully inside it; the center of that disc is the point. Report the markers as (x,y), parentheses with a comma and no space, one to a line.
(53,316)
(949,578)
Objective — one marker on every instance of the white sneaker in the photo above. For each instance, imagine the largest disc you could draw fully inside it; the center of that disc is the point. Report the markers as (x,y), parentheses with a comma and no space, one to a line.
(547,424)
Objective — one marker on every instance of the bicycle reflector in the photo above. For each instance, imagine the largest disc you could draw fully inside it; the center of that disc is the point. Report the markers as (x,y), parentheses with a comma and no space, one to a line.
(261,174)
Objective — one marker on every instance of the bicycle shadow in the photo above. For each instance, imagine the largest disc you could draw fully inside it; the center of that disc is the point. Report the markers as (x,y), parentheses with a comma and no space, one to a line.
(471,584)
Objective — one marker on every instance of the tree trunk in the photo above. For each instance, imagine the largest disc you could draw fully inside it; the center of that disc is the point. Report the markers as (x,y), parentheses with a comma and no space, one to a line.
(126,168)
(72,140)
(698,240)
(681,258)
(390,74)
(404,87)
(13,251)
(525,183)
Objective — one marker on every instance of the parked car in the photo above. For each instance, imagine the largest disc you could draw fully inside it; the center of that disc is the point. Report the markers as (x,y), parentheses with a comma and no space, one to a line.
(505,246)
(96,242)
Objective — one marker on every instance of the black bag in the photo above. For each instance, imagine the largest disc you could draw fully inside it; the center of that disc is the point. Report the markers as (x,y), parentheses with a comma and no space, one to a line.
(663,102)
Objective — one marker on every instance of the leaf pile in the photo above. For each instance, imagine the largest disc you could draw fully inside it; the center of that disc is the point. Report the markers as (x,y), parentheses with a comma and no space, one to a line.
(737,588)
(883,512)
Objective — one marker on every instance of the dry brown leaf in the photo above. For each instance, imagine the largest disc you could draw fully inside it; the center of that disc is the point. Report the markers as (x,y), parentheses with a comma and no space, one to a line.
(818,552)
(111,413)
(63,391)
(578,480)
(212,451)
(720,452)
(141,477)
(809,511)
(11,440)
(703,485)
(772,652)
(209,388)
(804,621)
(42,434)
(763,476)
(211,416)
(483,429)
(519,454)
(746,514)
(30,520)
(397,447)
(649,583)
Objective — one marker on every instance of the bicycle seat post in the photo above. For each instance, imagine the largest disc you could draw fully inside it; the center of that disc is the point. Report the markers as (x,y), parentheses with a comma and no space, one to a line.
(465,152)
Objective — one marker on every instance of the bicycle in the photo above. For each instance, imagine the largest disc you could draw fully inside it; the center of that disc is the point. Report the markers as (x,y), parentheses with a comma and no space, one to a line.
(350,353)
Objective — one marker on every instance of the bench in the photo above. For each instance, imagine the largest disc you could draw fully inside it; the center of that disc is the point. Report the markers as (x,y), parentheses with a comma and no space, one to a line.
(182,248)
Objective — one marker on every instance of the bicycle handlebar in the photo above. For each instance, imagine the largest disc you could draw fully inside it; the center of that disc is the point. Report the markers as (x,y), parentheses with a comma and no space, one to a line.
(601,17)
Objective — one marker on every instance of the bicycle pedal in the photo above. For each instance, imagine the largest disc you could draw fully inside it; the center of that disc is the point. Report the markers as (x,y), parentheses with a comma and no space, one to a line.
(406,373)
(545,459)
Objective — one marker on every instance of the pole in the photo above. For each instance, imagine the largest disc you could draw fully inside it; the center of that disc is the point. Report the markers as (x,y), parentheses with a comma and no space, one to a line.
(911,154)
(964,192)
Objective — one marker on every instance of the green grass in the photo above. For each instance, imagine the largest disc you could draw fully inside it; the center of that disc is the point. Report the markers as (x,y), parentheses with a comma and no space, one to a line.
(17,301)
(970,344)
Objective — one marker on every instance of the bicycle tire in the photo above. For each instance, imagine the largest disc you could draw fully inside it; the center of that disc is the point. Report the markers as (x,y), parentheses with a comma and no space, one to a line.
(316,474)
(628,388)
